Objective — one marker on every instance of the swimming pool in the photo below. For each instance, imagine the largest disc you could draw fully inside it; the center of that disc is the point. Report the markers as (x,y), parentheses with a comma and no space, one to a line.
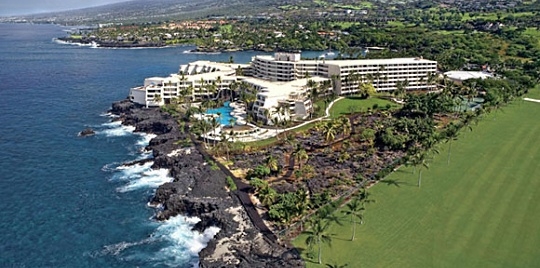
(225,111)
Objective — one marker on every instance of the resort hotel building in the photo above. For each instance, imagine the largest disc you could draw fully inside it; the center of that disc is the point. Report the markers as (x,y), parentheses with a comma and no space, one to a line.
(284,81)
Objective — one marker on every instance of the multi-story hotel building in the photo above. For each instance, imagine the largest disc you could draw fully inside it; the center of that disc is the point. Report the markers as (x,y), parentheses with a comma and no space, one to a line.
(282,80)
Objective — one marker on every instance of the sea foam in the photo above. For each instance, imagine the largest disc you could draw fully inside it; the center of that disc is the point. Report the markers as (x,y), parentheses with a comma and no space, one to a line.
(178,244)
(183,243)
(116,129)
(139,176)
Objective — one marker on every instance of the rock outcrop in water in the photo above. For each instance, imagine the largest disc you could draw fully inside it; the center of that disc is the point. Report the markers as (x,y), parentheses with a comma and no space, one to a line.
(199,190)
(87,132)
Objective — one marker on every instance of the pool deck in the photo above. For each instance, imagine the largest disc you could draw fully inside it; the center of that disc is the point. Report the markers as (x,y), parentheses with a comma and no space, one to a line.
(258,133)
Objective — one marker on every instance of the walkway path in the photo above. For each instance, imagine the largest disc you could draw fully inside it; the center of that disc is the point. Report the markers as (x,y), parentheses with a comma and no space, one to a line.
(529,99)
(242,192)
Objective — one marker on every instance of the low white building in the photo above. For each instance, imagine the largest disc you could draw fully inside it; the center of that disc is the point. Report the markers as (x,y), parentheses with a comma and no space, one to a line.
(460,76)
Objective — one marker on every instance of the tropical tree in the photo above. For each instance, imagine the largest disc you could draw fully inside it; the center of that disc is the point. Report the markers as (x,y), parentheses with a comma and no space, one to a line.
(401,88)
(225,142)
(345,124)
(317,235)
(232,121)
(329,131)
(157,98)
(272,163)
(451,134)
(336,265)
(423,163)
(300,155)
(355,210)
(268,196)
(366,90)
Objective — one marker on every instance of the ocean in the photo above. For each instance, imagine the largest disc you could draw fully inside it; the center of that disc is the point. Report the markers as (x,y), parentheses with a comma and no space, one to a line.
(67,201)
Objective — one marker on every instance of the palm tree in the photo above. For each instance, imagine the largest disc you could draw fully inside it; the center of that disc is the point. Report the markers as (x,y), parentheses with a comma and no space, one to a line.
(266,113)
(345,124)
(313,94)
(272,163)
(202,86)
(423,162)
(431,79)
(157,98)
(302,201)
(336,265)
(451,133)
(225,142)
(317,235)
(355,209)
(187,94)
(401,87)
(214,124)
(218,87)
(275,122)
(202,125)
(379,74)
(233,87)
(329,131)
(300,155)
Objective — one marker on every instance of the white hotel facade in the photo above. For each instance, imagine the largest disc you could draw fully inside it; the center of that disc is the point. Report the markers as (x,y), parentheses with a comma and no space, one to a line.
(282,79)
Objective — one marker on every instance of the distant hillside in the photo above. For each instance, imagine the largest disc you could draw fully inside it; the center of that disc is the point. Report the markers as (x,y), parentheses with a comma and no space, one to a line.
(155,11)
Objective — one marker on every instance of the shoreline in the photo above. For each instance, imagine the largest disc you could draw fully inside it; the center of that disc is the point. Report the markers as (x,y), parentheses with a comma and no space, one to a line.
(197,190)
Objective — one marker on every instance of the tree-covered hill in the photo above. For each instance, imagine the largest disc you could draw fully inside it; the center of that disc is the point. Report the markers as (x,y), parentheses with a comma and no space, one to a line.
(138,11)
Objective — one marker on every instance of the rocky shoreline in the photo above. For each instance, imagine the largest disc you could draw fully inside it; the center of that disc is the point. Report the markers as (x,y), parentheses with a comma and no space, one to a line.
(112,44)
(199,190)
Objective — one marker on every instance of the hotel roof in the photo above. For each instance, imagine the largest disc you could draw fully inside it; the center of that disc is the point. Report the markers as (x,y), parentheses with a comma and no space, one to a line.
(377,61)
(273,89)
(464,75)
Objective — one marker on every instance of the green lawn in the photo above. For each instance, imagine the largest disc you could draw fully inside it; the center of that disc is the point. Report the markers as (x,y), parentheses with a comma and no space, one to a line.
(344,106)
(482,210)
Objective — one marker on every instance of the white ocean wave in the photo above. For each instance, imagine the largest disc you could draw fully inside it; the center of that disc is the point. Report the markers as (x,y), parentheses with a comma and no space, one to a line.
(184,244)
(140,176)
(116,129)
(149,179)
(145,139)
(201,52)
(109,114)
(179,245)
(70,43)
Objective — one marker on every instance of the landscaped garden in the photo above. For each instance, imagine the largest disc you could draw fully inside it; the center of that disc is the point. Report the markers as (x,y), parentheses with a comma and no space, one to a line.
(477,207)
(351,105)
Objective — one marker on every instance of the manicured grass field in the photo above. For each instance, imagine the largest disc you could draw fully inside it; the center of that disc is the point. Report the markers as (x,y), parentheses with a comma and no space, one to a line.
(481,210)
(344,106)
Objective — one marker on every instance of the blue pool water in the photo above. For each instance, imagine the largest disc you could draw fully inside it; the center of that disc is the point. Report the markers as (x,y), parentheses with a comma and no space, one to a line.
(225,111)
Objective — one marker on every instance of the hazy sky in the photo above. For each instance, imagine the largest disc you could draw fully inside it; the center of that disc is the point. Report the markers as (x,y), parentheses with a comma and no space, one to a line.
(22,7)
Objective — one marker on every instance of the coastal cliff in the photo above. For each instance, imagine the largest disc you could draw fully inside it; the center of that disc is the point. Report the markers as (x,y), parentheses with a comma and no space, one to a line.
(199,190)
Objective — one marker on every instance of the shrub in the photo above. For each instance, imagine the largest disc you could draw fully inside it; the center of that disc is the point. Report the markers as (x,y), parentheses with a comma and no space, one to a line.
(231,184)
